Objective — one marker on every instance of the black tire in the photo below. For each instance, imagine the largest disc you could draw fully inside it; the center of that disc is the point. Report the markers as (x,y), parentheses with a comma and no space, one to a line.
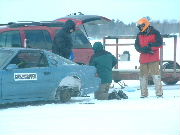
(63,94)
(75,92)
(170,81)
(170,65)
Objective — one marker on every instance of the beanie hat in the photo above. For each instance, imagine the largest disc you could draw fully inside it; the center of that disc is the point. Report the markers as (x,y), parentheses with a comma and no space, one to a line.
(69,25)
(98,46)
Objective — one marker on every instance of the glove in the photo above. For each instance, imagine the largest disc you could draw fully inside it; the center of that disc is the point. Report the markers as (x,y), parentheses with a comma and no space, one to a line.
(147,49)
(150,44)
(151,52)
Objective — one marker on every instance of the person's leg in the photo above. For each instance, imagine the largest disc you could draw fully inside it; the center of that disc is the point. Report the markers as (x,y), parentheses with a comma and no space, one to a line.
(143,78)
(154,71)
(102,93)
(158,85)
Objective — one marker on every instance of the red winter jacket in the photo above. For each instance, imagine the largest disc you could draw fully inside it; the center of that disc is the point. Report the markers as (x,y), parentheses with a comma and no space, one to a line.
(151,40)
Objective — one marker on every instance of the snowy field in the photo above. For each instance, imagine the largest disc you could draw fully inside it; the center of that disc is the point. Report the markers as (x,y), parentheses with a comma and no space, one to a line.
(87,116)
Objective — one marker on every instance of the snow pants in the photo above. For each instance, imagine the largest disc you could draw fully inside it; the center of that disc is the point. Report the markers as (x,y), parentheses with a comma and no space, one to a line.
(151,69)
(102,93)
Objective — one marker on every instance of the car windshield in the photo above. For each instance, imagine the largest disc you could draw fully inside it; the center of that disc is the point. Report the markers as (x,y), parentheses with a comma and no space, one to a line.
(4,56)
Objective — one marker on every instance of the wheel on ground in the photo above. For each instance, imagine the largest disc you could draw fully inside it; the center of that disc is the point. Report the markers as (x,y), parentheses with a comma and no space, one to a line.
(170,81)
(170,65)
(63,94)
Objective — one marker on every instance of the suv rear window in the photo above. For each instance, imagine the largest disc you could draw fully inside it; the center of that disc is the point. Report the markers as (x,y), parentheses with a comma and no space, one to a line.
(10,39)
(79,40)
(38,39)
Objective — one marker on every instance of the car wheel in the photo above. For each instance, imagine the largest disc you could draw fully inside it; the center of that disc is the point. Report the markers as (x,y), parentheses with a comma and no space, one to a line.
(170,80)
(63,94)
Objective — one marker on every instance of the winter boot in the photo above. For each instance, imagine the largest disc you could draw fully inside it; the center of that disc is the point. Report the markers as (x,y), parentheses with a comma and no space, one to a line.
(158,85)
(122,94)
(143,86)
(114,95)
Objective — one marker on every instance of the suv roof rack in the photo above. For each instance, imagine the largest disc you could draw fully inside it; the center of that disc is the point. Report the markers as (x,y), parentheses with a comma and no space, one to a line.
(32,23)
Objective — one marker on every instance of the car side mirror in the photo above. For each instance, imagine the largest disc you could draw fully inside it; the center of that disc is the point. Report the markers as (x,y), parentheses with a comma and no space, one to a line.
(11,66)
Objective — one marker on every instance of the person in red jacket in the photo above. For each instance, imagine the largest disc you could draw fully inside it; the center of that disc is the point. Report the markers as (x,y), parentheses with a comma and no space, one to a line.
(148,43)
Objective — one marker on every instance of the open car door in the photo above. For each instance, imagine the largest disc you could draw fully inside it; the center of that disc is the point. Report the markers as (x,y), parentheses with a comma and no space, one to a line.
(88,19)
(82,20)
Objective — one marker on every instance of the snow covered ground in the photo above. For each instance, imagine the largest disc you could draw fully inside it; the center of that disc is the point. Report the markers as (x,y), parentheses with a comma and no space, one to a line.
(87,116)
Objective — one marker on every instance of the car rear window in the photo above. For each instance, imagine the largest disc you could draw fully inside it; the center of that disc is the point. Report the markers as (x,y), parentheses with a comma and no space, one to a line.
(4,56)
(80,40)
(58,60)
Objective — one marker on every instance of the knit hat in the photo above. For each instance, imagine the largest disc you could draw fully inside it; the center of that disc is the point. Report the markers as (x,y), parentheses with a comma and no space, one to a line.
(69,25)
(98,46)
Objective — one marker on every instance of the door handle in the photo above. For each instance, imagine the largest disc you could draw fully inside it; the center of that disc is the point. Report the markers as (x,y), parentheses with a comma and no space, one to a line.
(47,73)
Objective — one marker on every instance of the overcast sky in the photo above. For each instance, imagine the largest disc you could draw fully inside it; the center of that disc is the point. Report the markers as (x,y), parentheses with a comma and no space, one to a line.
(125,10)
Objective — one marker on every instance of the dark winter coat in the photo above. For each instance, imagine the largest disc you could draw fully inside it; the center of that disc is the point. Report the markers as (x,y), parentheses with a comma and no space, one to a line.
(147,44)
(104,62)
(62,44)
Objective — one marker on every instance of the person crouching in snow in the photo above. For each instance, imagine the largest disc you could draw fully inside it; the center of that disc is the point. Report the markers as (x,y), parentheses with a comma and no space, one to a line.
(104,62)
(147,43)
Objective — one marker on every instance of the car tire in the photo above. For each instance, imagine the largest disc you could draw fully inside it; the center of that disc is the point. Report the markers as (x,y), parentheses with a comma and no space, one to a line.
(170,80)
(63,94)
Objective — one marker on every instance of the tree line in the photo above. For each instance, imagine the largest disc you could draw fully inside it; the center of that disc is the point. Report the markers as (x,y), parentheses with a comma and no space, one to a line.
(117,28)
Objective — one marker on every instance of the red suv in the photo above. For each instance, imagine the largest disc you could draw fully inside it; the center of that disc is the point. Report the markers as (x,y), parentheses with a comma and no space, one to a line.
(41,35)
